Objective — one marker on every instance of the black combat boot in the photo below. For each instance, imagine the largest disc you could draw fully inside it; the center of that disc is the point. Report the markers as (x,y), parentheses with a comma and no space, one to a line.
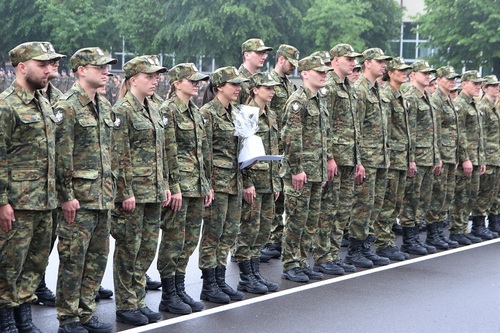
(269,250)
(355,254)
(211,291)
(433,238)
(369,254)
(220,278)
(451,243)
(248,281)
(170,301)
(494,223)
(429,248)
(409,244)
(152,284)
(479,228)
(45,295)
(271,286)
(24,321)
(181,292)
(7,322)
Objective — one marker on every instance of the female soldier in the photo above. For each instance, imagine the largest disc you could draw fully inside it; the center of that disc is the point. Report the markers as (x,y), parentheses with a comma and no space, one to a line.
(261,185)
(222,220)
(190,186)
(142,189)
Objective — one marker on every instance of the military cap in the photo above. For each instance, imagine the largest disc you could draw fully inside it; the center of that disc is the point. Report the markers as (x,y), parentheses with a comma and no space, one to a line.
(490,80)
(155,58)
(447,72)
(397,63)
(422,66)
(35,51)
(90,56)
(142,64)
(186,71)
(289,52)
(344,50)
(432,78)
(226,74)
(262,79)
(324,55)
(375,53)
(313,63)
(472,76)
(357,65)
(254,44)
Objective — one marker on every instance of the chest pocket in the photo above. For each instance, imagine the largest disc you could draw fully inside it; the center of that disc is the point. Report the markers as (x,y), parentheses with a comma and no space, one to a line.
(142,125)
(186,126)
(225,127)
(87,121)
(30,117)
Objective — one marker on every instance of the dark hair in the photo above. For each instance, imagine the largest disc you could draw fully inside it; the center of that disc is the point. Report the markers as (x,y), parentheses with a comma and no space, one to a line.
(211,91)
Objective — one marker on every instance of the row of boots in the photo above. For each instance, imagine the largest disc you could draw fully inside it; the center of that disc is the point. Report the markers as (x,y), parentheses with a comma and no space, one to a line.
(17,320)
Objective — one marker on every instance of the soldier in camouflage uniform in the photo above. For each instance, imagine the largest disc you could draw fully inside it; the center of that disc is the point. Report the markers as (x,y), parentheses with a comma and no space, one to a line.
(287,59)
(356,73)
(450,148)
(3,80)
(27,184)
(222,218)
(85,185)
(254,54)
(401,158)
(467,181)
(490,180)
(142,189)
(338,195)
(305,169)
(186,149)
(423,131)
(374,157)
(261,187)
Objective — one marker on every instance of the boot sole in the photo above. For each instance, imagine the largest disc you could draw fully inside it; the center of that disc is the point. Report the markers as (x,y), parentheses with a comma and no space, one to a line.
(252,291)
(213,300)
(128,322)
(287,277)
(167,309)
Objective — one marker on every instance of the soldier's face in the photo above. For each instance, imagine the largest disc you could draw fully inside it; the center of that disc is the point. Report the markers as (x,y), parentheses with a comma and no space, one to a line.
(256,58)
(445,84)
(188,87)
(345,64)
(288,68)
(316,79)
(422,79)
(264,94)
(36,73)
(471,88)
(491,90)
(354,76)
(145,83)
(431,88)
(54,69)
(376,67)
(96,75)
(399,75)
(230,91)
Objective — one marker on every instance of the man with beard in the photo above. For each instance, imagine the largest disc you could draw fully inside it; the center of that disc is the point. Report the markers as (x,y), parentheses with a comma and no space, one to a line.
(27,184)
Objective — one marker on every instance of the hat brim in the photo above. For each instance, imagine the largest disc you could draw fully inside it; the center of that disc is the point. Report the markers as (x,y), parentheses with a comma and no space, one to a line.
(387,58)
(428,70)
(198,77)
(452,76)
(105,61)
(400,68)
(155,69)
(293,61)
(352,55)
(263,48)
(49,56)
(322,69)
(238,80)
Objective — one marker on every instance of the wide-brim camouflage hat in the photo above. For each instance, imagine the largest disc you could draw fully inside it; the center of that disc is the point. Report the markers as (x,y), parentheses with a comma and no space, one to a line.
(314,63)
(91,56)
(263,79)
(422,66)
(375,53)
(397,63)
(142,64)
(447,72)
(325,55)
(471,76)
(289,52)
(344,50)
(254,44)
(186,71)
(490,80)
(227,74)
(33,51)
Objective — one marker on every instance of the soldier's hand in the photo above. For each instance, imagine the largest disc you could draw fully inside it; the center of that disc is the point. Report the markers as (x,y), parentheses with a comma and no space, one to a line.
(276,195)
(437,169)
(359,174)
(128,205)
(482,169)
(168,196)
(299,180)
(209,198)
(467,167)
(332,169)
(69,209)
(6,217)
(176,202)
(249,194)
(412,170)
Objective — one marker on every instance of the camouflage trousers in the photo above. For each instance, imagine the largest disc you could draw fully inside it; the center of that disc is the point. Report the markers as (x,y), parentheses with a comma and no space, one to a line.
(255,226)
(488,191)
(180,235)
(393,201)
(368,201)
(220,227)
(24,254)
(278,225)
(302,210)
(418,194)
(83,254)
(443,192)
(136,235)
(466,191)
(336,205)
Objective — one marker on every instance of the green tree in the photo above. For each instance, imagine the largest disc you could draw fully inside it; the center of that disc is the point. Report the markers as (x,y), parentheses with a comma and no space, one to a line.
(463,32)
(385,17)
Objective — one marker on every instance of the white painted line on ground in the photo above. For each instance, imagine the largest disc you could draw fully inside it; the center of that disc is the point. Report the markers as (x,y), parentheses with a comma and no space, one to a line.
(303,287)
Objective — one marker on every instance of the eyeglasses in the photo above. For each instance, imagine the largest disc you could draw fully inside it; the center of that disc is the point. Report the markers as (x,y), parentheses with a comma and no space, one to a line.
(98,67)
